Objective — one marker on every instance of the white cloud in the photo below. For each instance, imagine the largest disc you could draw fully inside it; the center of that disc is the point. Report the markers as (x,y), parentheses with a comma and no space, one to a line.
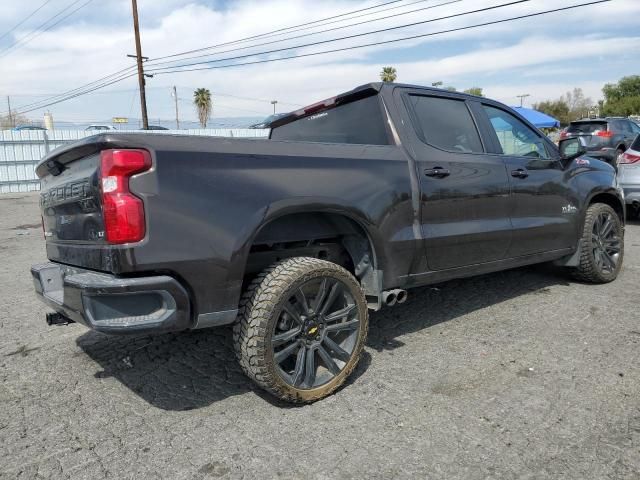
(535,55)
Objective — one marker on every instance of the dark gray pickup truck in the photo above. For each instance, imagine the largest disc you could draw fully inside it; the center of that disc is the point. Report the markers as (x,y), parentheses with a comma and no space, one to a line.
(350,202)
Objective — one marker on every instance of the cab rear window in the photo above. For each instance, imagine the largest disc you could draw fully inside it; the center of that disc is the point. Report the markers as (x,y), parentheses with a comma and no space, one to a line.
(359,122)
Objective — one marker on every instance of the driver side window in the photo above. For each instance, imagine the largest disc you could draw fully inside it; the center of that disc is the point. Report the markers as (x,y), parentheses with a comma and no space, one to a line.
(515,137)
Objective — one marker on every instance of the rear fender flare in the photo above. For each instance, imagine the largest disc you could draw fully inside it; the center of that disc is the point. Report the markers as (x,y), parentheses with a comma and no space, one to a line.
(310,205)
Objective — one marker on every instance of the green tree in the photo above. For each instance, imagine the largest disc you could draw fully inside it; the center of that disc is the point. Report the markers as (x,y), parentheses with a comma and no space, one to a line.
(388,74)
(451,89)
(622,98)
(203,104)
(571,106)
(555,108)
(474,91)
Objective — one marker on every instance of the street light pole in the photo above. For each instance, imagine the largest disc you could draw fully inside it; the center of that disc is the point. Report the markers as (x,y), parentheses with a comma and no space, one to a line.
(175,97)
(141,81)
(11,124)
(522,97)
(273,102)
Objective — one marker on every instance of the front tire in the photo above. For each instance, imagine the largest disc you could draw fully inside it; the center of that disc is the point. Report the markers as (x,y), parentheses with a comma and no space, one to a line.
(601,246)
(301,328)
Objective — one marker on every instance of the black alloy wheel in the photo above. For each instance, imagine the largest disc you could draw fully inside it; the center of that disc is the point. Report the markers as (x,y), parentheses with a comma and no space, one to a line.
(301,328)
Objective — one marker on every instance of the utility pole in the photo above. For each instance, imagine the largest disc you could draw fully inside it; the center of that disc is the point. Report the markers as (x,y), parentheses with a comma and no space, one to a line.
(10,114)
(141,81)
(175,98)
(522,97)
(273,102)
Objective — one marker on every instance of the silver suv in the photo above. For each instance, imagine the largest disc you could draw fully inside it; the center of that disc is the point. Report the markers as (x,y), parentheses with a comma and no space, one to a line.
(629,177)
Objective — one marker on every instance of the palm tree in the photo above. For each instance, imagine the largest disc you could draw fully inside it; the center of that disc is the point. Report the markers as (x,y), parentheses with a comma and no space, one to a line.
(388,74)
(202,101)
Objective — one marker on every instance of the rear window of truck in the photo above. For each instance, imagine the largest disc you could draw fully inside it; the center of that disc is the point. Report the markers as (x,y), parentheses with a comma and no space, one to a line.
(359,122)
(586,127)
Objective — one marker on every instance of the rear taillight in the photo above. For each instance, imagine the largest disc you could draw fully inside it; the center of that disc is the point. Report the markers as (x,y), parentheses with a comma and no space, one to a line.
(122,211)
(604,133)
(629,158)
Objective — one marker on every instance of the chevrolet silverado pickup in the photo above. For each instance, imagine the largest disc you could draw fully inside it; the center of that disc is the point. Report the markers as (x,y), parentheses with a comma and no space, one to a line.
(348,204)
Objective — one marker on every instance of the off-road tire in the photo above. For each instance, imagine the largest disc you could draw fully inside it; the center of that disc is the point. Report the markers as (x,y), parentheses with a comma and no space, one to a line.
(587,269)
(260,307)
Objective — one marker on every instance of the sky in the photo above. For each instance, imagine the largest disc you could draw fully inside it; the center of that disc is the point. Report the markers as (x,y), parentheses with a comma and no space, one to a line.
(542,56)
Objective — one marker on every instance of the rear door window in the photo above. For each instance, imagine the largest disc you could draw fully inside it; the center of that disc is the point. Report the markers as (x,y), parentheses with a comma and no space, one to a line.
(359,122)
(586,128)
(515,137)
(445,123)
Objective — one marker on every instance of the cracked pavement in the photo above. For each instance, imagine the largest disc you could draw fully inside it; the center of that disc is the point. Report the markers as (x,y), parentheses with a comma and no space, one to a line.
(518,374)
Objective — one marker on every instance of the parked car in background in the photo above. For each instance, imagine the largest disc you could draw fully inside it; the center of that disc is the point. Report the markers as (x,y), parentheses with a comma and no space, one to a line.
(604,138)
(629,177)
(99,128)
(22,128)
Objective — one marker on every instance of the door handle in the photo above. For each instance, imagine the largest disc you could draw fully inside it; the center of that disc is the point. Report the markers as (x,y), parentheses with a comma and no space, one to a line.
(519,173)
(437,172)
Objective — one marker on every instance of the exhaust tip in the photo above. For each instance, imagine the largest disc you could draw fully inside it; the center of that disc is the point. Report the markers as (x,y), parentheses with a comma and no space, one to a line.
(401,296)
(389,298)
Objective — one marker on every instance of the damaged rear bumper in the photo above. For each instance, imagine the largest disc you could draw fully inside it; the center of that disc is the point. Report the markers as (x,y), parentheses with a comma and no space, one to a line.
(110,304)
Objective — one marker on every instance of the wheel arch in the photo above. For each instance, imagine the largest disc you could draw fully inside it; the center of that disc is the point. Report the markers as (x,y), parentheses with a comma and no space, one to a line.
(316,221)
(611,198)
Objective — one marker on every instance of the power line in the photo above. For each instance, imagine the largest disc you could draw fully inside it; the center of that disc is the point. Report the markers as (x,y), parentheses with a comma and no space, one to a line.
(276,31)
(112,75)
(24,20)
(165,71)
(40,30)
(495,22)
(75,90)
(70,97)
(349,37)
(294,29)
(449,2)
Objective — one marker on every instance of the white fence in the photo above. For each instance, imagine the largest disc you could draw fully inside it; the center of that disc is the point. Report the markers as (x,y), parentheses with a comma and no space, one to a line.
(20,151)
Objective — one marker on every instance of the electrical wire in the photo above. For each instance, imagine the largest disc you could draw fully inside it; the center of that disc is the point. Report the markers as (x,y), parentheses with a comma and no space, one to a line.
(468,27)
(349,37)
(441,32)
(39,31)
(110,76)
(24,19)
(449,2)
(275,31)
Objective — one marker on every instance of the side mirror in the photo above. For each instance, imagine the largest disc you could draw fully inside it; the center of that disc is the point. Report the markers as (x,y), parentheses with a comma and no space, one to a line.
(571,148)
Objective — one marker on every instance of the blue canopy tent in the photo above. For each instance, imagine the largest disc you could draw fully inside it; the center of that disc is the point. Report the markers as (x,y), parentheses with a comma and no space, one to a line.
(539,119)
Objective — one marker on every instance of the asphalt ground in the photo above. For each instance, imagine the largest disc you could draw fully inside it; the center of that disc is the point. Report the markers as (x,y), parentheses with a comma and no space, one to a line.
(520,374)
